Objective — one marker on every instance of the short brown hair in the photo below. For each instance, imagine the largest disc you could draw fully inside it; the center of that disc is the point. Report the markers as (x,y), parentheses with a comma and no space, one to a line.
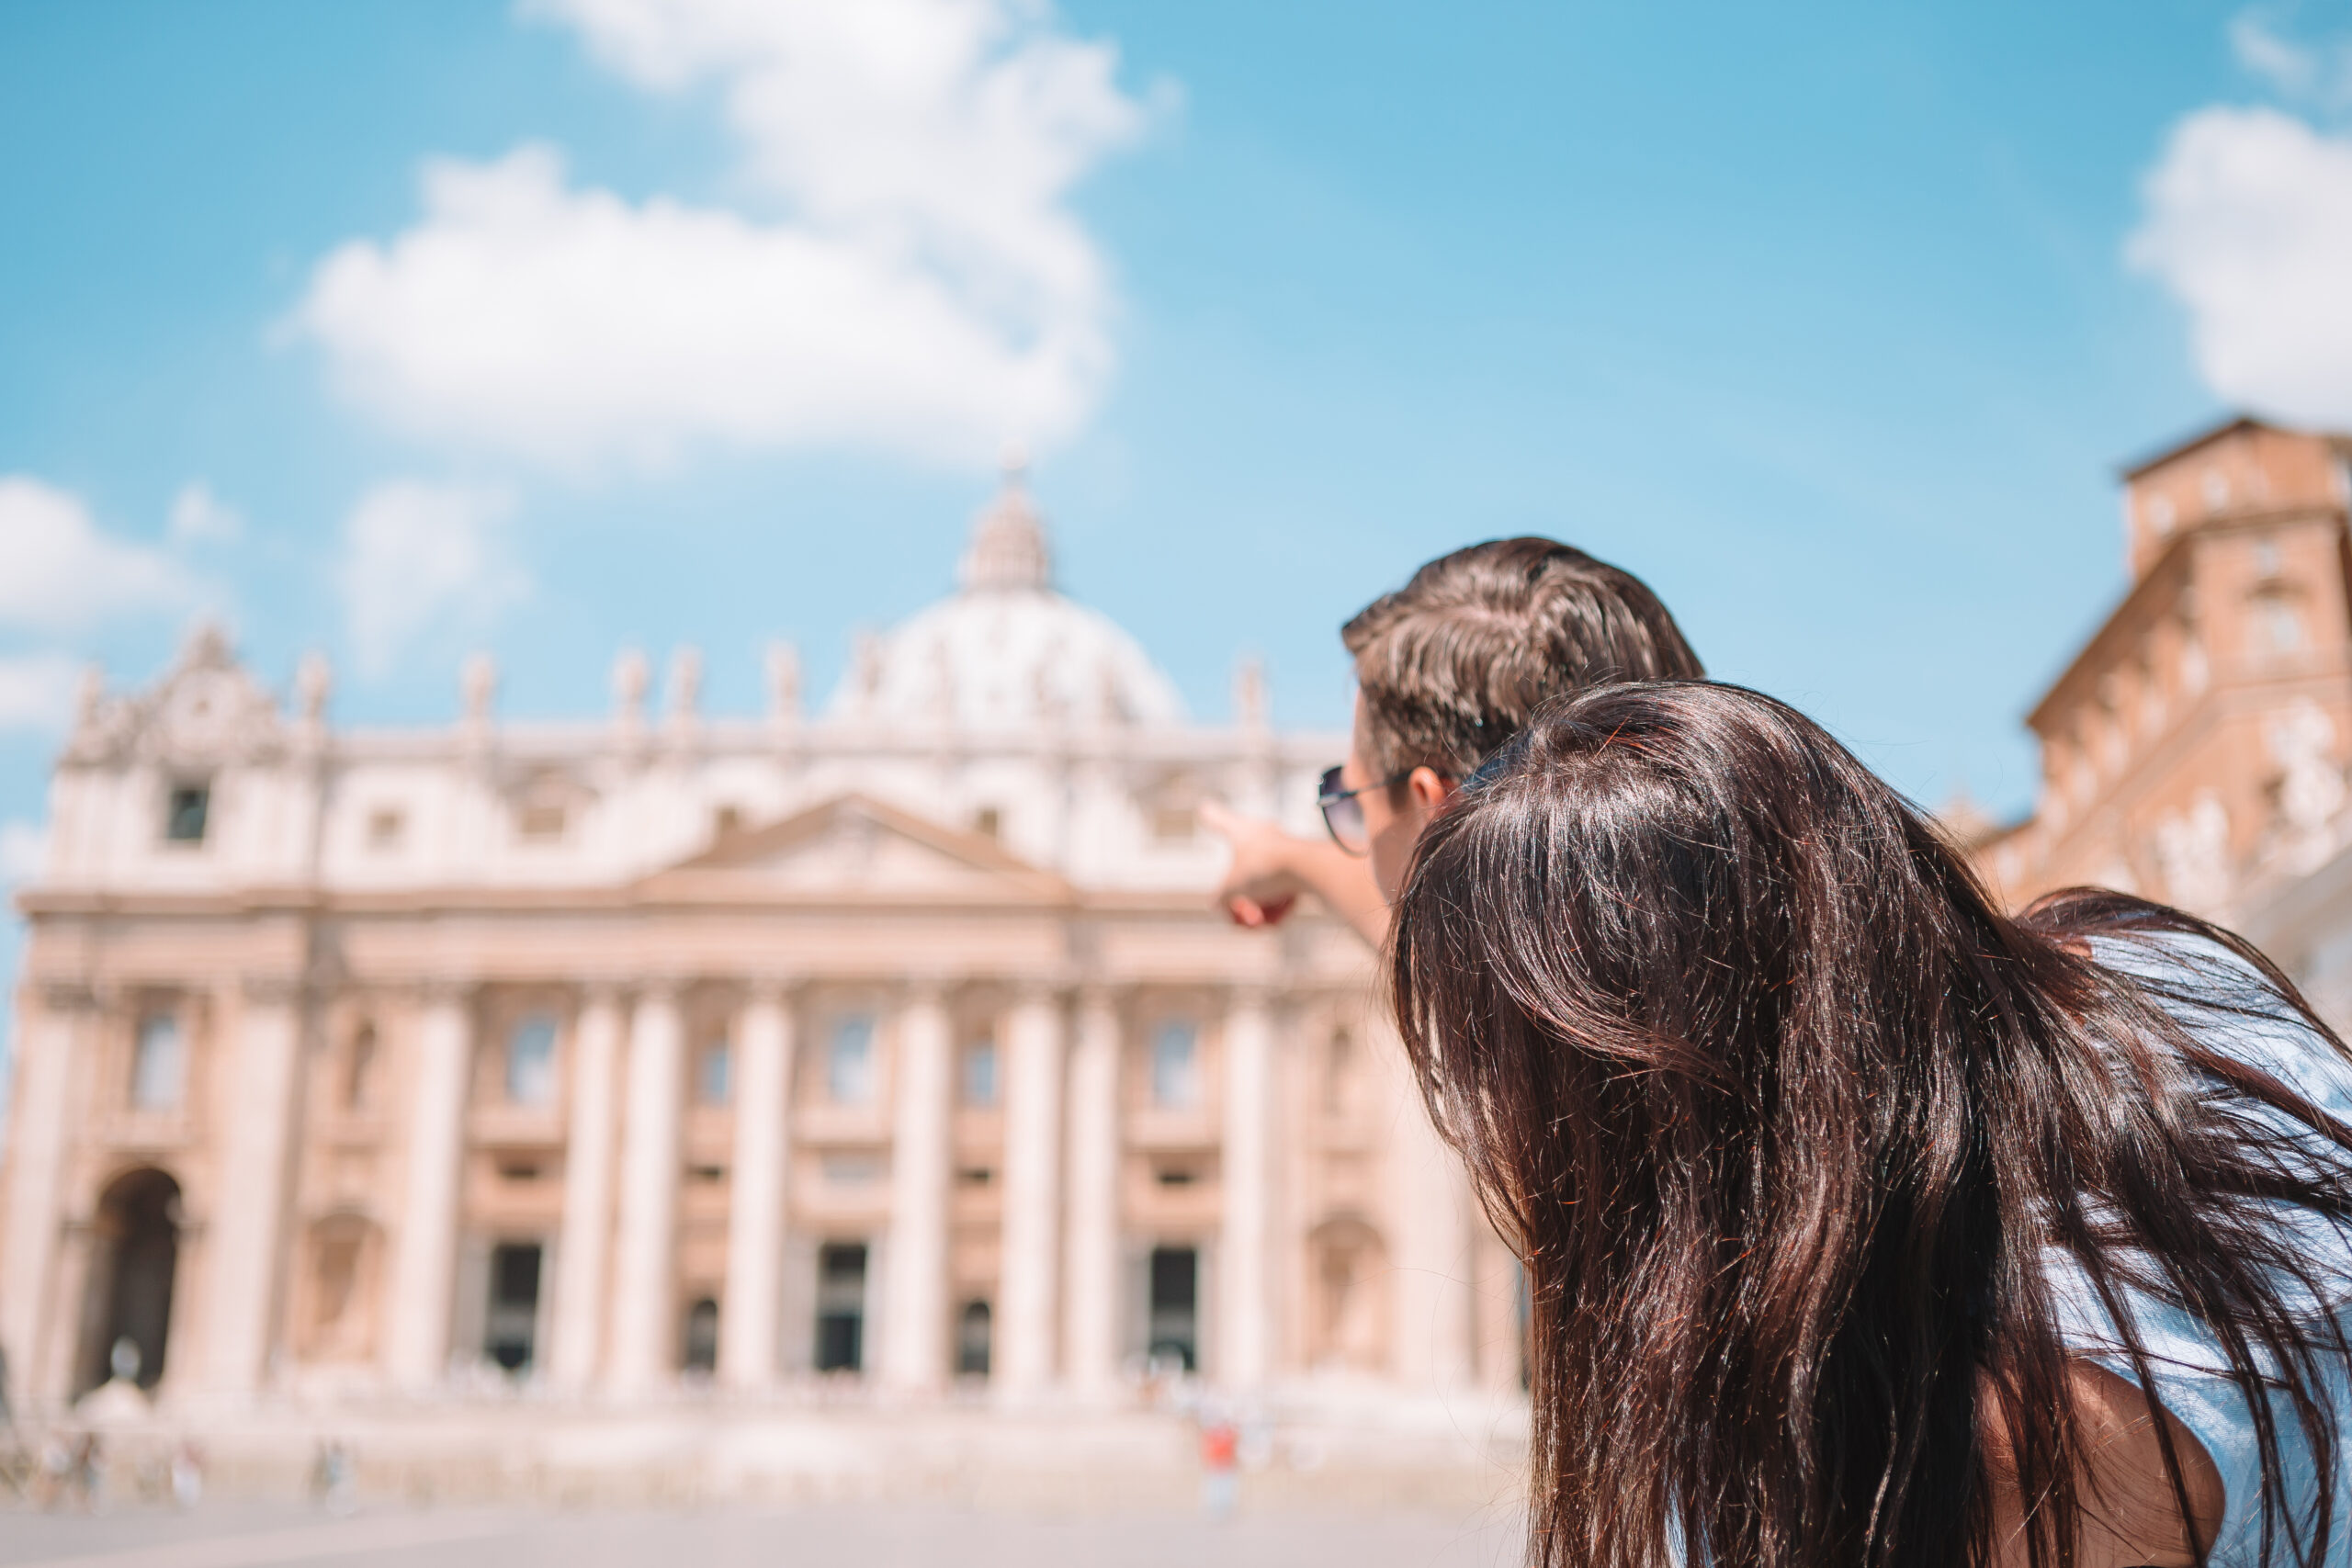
(1450,664)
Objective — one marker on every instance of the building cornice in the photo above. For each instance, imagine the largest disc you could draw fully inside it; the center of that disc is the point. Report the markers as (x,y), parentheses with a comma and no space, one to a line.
(2163,577)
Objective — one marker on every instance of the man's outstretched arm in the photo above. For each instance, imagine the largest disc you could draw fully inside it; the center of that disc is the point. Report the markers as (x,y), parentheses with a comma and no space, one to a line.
(1270,868)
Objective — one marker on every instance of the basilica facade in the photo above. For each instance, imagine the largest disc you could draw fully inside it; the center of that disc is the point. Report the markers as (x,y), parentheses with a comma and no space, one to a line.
(887,1053)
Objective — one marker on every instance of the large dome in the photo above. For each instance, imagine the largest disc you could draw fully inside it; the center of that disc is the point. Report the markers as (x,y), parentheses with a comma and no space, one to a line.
(1006,649)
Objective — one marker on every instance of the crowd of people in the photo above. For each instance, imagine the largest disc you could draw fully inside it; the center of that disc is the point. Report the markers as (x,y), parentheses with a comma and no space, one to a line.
(1864,1222)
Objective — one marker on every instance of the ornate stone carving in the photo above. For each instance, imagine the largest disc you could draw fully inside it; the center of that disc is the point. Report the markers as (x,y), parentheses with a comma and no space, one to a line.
(2302,740)
(784,682)
(208,711)
(1250,705)
(477,685)
(631,676)
(685,682)
(314,684)
(2192,849)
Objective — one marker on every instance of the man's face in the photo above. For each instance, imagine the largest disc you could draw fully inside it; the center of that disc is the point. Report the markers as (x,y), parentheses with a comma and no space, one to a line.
(1393,818)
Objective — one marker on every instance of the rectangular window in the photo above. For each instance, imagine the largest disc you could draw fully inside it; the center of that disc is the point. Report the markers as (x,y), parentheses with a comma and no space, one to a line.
(1172,1338)
(849,1060)
(1175,1068)
(530,1062)
(511,1328)
(715,1073)
(158,1064)
(979,1073)
(541,822)
(2277,627)
(186,812)
(851,1170)
(841,1307)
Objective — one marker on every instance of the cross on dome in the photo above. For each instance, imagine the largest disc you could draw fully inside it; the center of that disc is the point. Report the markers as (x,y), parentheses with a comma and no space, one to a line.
(1008,551)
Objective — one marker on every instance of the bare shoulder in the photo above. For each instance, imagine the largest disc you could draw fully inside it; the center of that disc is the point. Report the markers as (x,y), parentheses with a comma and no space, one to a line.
(2131,1518)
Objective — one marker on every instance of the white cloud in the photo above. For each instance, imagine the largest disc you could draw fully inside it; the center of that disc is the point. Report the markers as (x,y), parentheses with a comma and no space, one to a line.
(2302,73)
(2248,223)
(37,690)
(927,290)
(23,846)
(60,573)
(199,517)
(423,558)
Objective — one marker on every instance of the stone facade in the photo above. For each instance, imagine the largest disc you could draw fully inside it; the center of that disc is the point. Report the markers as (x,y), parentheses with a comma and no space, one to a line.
(890,1052)
(2194,750)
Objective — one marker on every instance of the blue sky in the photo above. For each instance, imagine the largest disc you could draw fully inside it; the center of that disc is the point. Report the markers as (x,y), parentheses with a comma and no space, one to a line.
(1831,320)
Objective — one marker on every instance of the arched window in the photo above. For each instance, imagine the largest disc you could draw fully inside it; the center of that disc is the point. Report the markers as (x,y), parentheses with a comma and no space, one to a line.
(849,1060)
(158,1064)
(530,1061)
(1175,1068)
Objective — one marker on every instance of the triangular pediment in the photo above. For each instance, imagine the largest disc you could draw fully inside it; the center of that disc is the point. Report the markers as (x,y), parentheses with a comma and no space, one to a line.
(857,847)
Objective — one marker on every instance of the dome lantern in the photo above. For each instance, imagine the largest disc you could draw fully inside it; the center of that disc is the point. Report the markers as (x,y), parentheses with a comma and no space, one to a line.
(1008,552)
(1005,649)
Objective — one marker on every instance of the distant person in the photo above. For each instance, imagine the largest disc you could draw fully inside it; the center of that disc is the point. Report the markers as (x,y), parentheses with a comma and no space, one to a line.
(186,1474)
(1864,1225)
(1220,1466)
(1447,669)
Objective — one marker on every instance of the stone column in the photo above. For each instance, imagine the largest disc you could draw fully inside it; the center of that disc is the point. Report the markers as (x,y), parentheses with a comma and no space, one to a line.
(57,1034)
(750,1320)
(1092,1310)
(1033,1160)
(1246,1305)
(1495,1313)
(249,1226)
(585,1247)
(914,1322)
(1435,1305)
(424,1256)
(644,1286)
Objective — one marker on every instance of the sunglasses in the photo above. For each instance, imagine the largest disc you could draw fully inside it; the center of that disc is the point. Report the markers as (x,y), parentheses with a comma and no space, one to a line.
(1343,813)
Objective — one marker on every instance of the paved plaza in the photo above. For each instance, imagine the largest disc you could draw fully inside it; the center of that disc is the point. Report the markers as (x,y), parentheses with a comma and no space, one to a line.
(865,1536)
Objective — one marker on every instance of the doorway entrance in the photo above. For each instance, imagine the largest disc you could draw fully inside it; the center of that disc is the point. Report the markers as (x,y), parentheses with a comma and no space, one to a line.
(510,1329)
(1172,1337)
(127,1317)
(841,1307)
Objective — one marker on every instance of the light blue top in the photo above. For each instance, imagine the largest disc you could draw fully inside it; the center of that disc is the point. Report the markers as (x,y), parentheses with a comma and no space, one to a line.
(2192,1374)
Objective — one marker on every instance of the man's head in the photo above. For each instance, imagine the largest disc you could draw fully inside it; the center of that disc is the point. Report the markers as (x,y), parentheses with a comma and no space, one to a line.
(1449,667)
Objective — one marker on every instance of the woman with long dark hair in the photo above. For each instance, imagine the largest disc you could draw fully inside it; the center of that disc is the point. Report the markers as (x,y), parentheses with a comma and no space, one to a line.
(1864,1223)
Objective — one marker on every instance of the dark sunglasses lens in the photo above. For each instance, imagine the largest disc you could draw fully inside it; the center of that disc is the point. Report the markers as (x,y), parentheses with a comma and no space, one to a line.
(1344,816)
(1328,788)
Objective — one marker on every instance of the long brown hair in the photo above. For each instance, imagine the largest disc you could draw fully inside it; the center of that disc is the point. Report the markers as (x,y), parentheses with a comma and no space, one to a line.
(1782,1112)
